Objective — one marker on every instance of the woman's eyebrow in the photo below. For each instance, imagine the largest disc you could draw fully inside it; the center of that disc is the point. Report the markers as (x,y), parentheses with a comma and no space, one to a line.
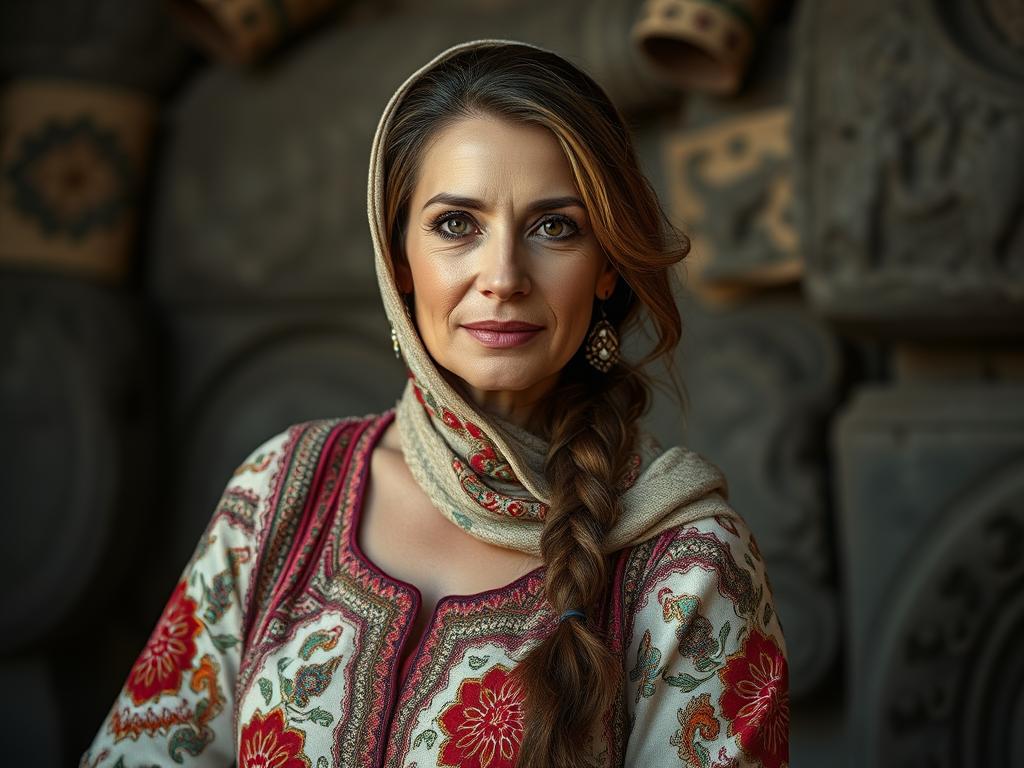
(550,203)
(545,204)
(457,200)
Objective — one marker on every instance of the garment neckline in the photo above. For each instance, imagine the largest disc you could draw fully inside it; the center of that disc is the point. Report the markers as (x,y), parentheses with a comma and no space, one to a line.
(355,514)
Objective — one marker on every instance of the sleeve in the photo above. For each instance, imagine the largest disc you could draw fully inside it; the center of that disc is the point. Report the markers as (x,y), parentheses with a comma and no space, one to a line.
(706,672)
(176,705)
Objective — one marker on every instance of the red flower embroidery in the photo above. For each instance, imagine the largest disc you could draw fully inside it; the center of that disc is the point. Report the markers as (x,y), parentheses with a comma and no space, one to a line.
(756,699)
(268,743)
(168,653)
(484,725)
(450,419)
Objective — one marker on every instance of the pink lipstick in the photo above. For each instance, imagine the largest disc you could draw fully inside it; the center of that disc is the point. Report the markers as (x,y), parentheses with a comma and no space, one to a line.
(502,334)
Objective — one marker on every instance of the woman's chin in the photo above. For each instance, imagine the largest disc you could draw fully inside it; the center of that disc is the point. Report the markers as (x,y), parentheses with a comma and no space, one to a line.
(503,376)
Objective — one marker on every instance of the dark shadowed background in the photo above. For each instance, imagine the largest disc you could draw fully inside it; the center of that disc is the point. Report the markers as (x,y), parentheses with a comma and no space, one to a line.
(186,269)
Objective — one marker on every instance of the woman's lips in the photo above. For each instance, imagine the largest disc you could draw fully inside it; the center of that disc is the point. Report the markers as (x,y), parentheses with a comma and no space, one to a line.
(502,335)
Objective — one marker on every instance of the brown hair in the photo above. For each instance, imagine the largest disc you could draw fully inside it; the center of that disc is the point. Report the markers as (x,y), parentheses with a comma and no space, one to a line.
(570,678)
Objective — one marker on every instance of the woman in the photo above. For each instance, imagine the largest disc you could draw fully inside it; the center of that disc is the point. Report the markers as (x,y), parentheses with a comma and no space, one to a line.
(502,570)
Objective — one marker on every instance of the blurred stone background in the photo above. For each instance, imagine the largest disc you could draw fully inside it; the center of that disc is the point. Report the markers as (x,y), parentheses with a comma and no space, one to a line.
(185,269)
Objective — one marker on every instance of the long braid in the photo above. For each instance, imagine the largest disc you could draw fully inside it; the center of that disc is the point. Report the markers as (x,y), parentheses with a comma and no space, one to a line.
(571,677)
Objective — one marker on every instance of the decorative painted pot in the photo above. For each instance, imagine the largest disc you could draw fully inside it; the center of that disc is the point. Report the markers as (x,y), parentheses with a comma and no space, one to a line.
(71,167)
(244,31)
(702,45)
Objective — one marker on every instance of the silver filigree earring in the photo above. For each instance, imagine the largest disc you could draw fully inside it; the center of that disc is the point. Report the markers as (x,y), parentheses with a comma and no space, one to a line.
(602,347)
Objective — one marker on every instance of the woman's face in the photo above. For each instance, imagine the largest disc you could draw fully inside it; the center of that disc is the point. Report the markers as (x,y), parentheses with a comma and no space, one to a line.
(501,260)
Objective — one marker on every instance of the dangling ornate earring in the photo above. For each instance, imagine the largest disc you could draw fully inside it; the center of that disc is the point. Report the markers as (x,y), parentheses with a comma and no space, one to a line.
(394,344)
(602,347)
(394,335)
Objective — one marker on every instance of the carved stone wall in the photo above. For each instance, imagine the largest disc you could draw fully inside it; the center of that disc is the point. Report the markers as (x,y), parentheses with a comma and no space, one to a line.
(909,137)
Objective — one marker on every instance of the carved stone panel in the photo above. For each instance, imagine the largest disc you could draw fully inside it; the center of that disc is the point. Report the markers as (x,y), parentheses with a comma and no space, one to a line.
(910,148)
(932,491)
(760,383)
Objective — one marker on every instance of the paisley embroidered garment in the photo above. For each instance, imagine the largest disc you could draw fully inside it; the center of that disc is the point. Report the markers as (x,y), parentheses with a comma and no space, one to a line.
(281,644)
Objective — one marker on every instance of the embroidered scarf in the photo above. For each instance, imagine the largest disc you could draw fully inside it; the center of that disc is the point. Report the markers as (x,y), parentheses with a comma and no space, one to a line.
(485,474)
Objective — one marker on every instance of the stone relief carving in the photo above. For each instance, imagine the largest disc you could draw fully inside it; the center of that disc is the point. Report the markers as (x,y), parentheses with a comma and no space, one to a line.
(909,178)
(947,687)
(931,484)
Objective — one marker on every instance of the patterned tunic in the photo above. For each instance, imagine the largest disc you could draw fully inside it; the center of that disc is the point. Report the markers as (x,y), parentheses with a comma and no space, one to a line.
(282,643)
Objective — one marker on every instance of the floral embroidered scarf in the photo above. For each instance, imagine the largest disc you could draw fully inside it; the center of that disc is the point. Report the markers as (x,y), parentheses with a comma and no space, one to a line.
(487,475)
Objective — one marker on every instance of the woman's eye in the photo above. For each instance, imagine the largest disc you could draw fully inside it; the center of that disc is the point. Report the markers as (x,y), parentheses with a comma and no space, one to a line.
(453,226)
(558,228)
(553,228)
(456,226)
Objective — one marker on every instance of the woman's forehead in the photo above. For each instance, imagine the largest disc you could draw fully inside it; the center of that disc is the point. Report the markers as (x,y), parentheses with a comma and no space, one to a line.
(492,159)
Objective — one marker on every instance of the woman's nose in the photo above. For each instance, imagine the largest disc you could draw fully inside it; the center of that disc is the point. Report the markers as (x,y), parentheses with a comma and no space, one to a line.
(502,272)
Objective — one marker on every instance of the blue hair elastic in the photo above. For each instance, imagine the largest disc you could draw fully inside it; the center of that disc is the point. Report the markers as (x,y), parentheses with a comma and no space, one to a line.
(571,612)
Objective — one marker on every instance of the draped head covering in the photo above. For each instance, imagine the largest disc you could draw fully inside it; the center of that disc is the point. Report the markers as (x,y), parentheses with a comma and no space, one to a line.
(485,474)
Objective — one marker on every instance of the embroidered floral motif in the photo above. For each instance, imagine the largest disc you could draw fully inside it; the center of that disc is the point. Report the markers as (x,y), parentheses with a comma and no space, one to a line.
(483,456)
(325,639)
(197,734)
(754,549)
(755,699)
(647,668)
(267,742)
(727,523)
(692,548)
(169,652)
(693,631)
(450,419)
(126,723)
(696,642)
(494,501)
(218,596)
(312,680)
(483,727)
(677,607)
(698,721)
(258,464)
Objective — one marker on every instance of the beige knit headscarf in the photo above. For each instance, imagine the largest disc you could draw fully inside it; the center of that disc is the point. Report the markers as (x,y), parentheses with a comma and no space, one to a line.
(487,475)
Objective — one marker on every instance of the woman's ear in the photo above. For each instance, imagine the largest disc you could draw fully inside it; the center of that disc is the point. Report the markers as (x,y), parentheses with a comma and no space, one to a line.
(606,280)
(403,275)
